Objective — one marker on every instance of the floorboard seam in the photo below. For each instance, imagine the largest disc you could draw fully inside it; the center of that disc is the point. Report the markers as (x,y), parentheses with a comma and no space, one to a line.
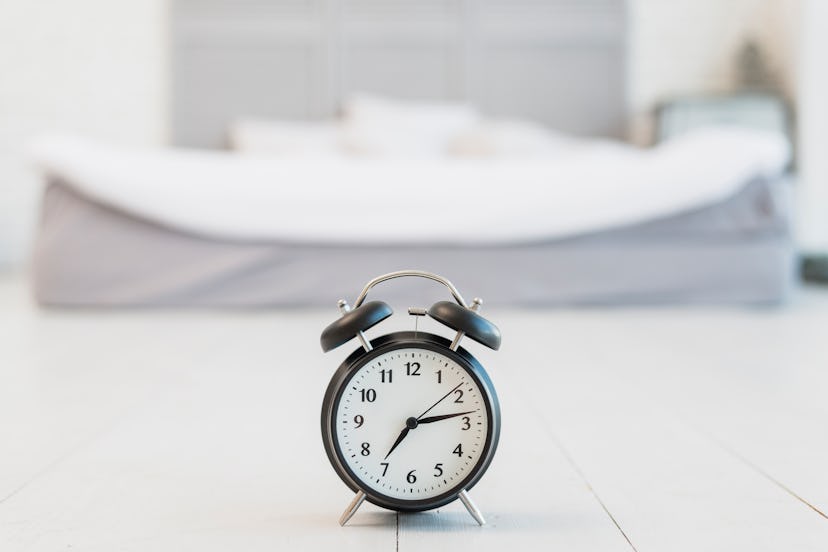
(580,473)
(721,444)
(583,477)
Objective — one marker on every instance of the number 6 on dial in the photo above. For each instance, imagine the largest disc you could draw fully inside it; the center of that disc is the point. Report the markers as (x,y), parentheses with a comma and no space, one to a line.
(410,420)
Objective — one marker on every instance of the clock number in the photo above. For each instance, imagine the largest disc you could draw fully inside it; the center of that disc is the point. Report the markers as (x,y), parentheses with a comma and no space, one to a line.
(438,470)
(359,420)
(366,449)
(383,372)
(411,478)
(384,468)
(368,395)
(458,450)
(412,368)
(459,394)
(439,376)
(466,423)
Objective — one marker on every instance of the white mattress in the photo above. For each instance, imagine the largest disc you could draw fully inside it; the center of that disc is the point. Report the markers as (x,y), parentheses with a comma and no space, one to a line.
(595,186)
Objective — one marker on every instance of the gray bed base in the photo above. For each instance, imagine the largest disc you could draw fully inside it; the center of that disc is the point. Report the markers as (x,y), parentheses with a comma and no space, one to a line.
(736,252)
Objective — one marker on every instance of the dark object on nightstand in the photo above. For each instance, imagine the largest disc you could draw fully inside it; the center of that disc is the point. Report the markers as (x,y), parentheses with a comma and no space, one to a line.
(815,269)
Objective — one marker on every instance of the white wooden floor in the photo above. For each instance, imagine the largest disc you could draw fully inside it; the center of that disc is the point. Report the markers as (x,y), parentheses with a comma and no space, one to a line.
(647,430)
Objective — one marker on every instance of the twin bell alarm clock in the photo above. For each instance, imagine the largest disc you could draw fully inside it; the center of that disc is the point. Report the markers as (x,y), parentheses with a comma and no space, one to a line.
(410,420)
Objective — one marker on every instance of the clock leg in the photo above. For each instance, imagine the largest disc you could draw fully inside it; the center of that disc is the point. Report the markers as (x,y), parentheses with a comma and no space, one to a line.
(473,511)
(349,512)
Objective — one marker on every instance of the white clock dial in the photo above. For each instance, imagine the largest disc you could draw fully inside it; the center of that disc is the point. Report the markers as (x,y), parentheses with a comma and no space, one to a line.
(411,424)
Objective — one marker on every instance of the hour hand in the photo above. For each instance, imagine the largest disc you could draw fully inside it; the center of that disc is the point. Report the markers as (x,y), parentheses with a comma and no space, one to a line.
(443,417)
(399,440)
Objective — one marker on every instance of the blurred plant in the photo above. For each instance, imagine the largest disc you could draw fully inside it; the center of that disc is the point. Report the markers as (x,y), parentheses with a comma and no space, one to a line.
(752,68)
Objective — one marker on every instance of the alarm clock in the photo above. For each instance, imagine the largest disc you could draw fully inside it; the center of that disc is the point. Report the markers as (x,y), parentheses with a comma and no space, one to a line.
(410,420)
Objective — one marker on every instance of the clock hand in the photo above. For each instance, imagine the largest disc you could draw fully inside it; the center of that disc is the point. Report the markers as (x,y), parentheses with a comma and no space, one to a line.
(410,424)
(443,417)
(441,400)
(399,440)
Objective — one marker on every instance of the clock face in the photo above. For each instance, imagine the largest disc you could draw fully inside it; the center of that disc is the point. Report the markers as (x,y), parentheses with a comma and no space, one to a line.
(412,423)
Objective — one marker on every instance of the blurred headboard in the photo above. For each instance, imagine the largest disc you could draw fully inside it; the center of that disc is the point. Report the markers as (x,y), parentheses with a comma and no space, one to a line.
(561,62)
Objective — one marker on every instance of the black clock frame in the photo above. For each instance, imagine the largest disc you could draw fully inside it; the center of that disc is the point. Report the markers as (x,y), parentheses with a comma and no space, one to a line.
(361,357)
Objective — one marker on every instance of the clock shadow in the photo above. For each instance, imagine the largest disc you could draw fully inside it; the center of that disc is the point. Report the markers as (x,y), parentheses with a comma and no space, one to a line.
(438,521)
(373,519)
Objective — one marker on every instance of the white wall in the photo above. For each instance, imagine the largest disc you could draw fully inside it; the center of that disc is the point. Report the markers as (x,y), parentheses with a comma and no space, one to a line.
(813,127)
(95,67)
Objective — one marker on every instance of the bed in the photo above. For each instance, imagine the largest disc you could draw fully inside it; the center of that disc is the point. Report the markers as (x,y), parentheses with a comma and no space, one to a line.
(111,234)
(707,223)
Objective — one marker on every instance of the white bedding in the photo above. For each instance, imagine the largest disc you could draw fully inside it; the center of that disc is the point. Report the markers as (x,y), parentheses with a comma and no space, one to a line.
(336,199)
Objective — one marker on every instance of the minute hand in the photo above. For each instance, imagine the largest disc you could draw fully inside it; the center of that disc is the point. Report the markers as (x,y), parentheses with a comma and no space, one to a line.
(430,408)
(443,417)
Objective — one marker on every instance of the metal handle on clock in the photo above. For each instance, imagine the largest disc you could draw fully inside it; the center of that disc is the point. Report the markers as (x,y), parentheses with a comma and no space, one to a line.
(414,273)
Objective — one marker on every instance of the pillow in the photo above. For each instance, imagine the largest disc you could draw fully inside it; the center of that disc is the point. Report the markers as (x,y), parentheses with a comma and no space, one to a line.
(508,138)
(285,138)
(381,127)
